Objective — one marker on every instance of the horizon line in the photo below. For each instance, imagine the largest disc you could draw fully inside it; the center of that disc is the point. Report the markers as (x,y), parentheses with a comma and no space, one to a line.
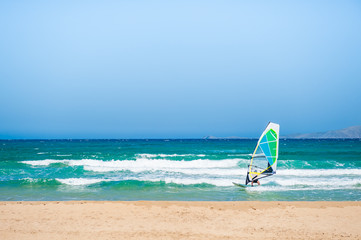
(212,139)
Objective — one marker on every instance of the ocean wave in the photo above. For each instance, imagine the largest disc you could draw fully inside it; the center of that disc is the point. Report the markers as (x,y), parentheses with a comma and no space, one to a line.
(56,181)
(81,181)
(309,188)
(319,182)
(228,167)
(190,181)
(241,155)
(319,172)
(274,185)
(45,162)
(167,180)
(30,181)
(266,185)
(200,166)
(150,155)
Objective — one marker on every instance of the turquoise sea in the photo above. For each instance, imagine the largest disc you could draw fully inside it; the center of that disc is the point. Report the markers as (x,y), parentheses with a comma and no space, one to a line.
(190,170)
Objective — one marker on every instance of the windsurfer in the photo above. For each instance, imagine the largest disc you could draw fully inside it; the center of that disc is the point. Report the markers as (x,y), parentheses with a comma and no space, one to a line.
(255,181)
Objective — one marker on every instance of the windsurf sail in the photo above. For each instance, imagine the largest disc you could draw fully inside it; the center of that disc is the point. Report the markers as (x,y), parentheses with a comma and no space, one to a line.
(264,158)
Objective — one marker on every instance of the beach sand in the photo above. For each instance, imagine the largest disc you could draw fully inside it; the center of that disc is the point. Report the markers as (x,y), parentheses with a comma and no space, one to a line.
(180,220)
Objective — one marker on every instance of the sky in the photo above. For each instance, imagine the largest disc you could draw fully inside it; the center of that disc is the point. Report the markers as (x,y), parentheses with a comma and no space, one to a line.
(178,69)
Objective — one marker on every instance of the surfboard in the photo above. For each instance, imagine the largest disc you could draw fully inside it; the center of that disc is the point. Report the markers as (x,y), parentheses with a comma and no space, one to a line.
(239,185)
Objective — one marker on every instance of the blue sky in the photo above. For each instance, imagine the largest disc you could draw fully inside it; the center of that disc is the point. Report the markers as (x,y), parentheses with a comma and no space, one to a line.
(162,69)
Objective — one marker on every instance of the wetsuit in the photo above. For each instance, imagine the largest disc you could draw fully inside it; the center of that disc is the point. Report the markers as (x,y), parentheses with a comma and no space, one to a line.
(254,181)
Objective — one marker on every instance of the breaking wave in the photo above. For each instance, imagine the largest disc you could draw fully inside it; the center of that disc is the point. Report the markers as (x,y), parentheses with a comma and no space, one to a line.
(200,166)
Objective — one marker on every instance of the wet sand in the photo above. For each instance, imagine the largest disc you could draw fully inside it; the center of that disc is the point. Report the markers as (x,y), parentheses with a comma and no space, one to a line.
(180,220)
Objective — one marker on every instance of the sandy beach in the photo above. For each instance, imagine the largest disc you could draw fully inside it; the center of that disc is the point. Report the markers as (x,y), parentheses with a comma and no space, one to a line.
(180,220)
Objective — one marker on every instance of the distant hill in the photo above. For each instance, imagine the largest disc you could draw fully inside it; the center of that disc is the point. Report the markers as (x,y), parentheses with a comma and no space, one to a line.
(350,132)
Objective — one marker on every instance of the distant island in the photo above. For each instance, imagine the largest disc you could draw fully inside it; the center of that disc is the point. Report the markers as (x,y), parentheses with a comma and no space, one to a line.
(350,132)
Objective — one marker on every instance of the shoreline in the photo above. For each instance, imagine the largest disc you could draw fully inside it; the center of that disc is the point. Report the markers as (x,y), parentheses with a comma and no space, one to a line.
(180,220)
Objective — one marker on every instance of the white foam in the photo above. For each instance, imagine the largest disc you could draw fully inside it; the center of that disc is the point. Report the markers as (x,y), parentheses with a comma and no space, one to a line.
(149,155)
(192,181)
(224,182)
(226,167)
(319,182)
(45,162)
(203,171)
(183,181)
(81,181)
(283,188)
(214,172)
(200,166)
(319,172)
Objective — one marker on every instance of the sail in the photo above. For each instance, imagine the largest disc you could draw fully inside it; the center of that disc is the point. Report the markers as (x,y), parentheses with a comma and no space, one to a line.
(264,158)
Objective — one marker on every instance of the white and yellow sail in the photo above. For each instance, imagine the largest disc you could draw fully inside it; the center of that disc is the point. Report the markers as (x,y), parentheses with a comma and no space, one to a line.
(264,158)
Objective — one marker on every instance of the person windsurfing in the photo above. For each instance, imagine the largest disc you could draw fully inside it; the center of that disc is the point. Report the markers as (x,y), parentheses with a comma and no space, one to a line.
(255,181)
(265,155)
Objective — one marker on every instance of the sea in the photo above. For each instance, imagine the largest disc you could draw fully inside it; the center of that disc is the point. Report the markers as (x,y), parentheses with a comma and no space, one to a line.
(176,170)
